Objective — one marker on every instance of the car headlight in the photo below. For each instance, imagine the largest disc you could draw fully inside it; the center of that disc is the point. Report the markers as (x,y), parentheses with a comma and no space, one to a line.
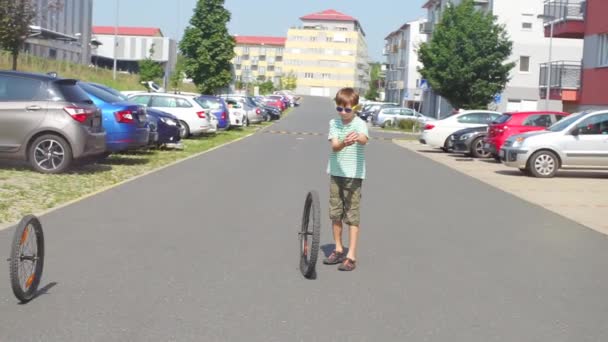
(466,136)
(168,121)
(518,142)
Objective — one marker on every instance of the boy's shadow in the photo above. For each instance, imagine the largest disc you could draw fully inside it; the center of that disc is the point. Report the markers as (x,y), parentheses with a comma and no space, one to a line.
(330,247)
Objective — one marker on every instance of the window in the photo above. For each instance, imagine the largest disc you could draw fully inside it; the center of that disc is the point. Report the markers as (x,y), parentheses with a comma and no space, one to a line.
(538,120)
(237,67)
(164,101)
(325,76)
(475,118)
(262,70)
(19,89)
(406,112)
(141,99)
(313,39)
(238,60)
(245,50)
(308,75)
(524,64)
(526,26)
(329,39)
(603,50)
(348,40)
(262,51)
(595,125)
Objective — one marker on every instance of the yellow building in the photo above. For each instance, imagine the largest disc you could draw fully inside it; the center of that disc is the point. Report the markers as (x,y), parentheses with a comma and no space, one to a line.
(258,58)
(327,52)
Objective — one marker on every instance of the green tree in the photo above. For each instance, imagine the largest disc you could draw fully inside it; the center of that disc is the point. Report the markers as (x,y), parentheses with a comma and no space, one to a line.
(150,70)
(266,87)
(208,46)
(372,92)
(289,82)
(466,60)
(16,16)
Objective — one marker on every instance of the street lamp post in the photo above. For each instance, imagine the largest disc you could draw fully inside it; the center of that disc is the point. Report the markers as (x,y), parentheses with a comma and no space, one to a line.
(552,20)
(115,42)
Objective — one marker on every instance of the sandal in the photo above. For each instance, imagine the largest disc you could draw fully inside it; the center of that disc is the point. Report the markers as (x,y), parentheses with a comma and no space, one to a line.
(348,265)
(334,258)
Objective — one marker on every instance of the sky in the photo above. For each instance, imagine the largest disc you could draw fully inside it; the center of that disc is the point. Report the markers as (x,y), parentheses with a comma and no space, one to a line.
(263,17)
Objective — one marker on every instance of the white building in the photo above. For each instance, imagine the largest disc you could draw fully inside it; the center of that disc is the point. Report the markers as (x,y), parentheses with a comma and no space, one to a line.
(402,76)
(61,30)
(530,49)
(133,44)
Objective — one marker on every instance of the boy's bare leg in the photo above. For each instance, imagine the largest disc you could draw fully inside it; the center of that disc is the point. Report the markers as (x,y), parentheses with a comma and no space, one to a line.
(352,243)
(338,236)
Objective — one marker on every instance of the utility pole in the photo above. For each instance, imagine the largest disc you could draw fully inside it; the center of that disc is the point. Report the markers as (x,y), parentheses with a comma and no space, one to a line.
(115,41)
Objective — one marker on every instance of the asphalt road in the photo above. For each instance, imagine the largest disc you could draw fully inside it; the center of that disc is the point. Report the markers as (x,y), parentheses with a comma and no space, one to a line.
(207,250)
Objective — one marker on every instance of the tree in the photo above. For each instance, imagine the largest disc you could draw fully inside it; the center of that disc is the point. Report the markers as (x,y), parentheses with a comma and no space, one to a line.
(465,61)
(150,70)
(266,87)
(208,46)
(372,92)
(289,82)
(16,16)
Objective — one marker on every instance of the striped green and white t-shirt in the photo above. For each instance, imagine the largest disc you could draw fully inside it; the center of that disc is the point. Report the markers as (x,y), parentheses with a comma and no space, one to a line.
(350,161)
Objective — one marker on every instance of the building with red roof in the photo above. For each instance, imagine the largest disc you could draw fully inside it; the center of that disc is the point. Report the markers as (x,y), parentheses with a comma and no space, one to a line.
(258,59)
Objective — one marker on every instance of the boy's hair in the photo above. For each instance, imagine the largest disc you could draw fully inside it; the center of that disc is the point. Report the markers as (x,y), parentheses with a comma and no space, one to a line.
(347,96)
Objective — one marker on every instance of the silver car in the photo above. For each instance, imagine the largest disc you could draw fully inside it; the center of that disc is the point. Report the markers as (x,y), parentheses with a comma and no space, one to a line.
(47,121)
(577,141)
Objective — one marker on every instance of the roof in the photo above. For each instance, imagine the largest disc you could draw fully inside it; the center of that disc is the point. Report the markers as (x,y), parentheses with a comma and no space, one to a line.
(129,31)
(329,15)
(429,3)
(404,26)
(260,40)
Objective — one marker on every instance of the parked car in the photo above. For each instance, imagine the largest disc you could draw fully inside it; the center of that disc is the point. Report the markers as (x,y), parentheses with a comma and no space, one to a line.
(371,114)
(436,133)
(277,103)
(193,118)
(125,123)
(284,99)
(218,109)
(578,141)
(253,114)
(295,99)
(238,118)
(167,127)
(469,141)
(388,117)
(269,112)
(47,121)
(509,124)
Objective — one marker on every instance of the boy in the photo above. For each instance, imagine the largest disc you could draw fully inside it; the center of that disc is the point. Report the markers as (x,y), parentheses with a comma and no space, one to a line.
(348,136)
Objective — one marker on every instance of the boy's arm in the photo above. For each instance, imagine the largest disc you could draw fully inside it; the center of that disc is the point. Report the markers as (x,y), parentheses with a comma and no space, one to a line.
(337,145)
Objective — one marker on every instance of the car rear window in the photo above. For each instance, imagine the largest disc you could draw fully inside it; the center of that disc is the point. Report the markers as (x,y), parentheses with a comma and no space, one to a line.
(208,103)
(68,91)
(100,94)
(502,119)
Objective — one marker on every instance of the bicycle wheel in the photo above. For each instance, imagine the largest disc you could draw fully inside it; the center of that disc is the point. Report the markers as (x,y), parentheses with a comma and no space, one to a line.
(27,258)
(310,235)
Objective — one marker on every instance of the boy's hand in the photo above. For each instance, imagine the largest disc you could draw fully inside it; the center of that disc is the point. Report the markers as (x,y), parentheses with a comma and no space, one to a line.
(351,138)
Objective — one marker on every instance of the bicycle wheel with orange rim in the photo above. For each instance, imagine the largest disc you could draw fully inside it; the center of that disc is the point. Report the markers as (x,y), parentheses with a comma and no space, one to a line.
(27,258)
(310,235)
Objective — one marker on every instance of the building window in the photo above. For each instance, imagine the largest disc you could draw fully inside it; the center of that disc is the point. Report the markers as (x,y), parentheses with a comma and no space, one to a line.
(524,64)
(526,26)
(262,71)
(603,50)
(313,39)
(308,75)
(348,40)
(325,76)
(262,51)
(245,50)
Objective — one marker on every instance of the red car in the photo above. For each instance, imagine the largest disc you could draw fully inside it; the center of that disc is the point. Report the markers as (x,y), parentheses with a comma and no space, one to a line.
(509,124)
(277,103)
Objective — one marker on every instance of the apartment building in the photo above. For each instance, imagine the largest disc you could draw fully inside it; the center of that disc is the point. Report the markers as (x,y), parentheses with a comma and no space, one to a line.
(258,58)
(578,83)
(133,44)
(327,52)
(530,50)
(402,83)
(61,30)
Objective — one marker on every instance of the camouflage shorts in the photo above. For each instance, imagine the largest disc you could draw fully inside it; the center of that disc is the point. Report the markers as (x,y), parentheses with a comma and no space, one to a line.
(344,199)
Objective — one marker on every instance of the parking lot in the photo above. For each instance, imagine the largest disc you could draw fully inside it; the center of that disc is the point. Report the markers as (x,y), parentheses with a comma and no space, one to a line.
(581,196)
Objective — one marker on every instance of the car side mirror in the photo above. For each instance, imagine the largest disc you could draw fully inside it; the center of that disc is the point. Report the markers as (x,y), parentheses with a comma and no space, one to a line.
(575,132)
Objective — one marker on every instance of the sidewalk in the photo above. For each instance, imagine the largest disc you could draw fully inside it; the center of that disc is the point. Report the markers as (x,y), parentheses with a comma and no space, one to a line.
(581,196)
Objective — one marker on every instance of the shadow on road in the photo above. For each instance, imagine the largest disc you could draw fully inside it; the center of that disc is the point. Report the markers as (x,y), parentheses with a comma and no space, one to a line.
(562,174)
(43,291)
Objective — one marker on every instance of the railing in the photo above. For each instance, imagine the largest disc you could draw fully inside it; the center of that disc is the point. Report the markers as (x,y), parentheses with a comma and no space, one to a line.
(564,75)
(562,10)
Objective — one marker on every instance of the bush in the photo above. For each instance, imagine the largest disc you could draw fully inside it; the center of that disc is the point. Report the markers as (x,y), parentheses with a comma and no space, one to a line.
(407,124)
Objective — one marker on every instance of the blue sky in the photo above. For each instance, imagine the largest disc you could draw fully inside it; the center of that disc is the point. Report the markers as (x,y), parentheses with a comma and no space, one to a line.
(263,17)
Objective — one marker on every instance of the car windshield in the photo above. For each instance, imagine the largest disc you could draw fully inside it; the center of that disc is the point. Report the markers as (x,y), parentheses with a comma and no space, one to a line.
(502,119)
(112,91)
(100,94)
(563,123)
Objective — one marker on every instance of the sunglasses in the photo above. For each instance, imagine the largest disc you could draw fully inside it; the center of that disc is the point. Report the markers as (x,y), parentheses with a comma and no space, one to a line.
(345,109)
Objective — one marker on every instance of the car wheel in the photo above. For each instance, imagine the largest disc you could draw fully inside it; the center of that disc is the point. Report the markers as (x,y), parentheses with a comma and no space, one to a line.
(50,153)
(247,122)
(477,150)
(543,164)
(446,145)
(184,130)
(387,124)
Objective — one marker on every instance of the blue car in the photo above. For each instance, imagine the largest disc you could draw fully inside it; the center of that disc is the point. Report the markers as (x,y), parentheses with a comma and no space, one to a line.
(164,127)
(216,106)
(125,123)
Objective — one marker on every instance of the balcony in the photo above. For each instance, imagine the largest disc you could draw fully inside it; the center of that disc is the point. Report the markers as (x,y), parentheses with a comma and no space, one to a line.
(565,81)
(567,16)
(427,27)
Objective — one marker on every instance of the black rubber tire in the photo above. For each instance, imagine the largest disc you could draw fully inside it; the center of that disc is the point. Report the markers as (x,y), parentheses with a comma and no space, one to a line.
(247,122)
(185,132)
(310,231)
(550,158)
(32,224)
(62,145)
(387,124)
(474,150)
(446,145)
